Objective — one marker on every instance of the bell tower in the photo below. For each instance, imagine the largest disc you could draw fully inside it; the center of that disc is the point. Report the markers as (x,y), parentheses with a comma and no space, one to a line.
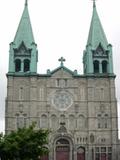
(23,50)
(97,57)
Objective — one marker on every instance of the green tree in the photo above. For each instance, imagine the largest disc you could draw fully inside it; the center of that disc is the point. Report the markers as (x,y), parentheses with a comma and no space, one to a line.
(24,144)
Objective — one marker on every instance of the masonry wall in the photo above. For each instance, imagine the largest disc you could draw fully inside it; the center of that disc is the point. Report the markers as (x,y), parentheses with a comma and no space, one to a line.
(90,121)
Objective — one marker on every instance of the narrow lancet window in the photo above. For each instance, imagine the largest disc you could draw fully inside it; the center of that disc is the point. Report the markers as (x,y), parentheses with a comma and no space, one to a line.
(104,66)
(96,66)
(17,65)
(26,65)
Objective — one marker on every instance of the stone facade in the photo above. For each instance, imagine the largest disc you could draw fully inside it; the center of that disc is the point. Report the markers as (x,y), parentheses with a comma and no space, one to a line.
(80,110)
(89,122)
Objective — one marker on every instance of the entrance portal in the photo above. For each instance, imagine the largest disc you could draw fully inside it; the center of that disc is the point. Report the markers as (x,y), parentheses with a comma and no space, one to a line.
(81,153)
(62,149)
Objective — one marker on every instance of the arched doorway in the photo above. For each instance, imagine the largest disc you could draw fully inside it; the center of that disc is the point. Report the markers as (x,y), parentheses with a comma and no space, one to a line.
(62,149)
(81,153)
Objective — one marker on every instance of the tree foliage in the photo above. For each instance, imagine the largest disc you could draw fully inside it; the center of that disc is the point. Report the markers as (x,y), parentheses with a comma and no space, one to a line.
(24,144)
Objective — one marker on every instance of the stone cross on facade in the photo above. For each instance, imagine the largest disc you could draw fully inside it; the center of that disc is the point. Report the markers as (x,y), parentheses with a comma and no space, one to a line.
(61,60)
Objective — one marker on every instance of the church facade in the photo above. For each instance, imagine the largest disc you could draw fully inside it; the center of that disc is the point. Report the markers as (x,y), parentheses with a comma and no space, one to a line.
(80,110)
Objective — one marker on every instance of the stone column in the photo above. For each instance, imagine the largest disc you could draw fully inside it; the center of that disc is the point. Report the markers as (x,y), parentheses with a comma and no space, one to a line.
(100,67)
(22,66)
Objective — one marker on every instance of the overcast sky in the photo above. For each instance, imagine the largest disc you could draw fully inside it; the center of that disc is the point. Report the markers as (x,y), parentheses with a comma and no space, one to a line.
(60,28)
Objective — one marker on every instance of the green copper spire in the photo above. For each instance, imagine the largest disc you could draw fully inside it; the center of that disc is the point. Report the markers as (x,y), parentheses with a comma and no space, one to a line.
(96,33)
(97,57)
(24,32)
(23,55)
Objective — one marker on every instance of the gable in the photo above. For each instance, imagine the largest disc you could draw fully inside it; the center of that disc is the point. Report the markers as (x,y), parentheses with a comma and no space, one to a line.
(62,72)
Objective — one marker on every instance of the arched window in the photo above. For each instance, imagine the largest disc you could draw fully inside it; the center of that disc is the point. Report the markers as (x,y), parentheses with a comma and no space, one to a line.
(62,118)
(54,121)
(96,66)
(26,65)
(81,123)
(21,93)
(21,120)
(106,121)
(17,65)
(71,122)
(103,120)
(99,121)
(44,121)
(104,66)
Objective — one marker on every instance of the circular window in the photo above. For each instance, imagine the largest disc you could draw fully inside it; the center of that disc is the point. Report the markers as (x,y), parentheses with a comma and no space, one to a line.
(62,100)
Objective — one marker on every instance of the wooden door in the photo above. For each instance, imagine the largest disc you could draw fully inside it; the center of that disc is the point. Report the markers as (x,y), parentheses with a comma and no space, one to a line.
(81,154)
(62,153)
(62,149)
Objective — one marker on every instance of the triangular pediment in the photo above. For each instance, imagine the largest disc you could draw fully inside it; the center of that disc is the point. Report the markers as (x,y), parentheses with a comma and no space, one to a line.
(62,72)
(100,51)
(22,50)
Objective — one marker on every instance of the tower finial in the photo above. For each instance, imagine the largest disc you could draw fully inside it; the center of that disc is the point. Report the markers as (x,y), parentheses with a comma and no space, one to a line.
(26,2)
(94,3)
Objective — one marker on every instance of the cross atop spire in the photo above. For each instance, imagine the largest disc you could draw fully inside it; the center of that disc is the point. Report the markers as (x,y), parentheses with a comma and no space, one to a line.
(94,3)
(26,2)
(62,60)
